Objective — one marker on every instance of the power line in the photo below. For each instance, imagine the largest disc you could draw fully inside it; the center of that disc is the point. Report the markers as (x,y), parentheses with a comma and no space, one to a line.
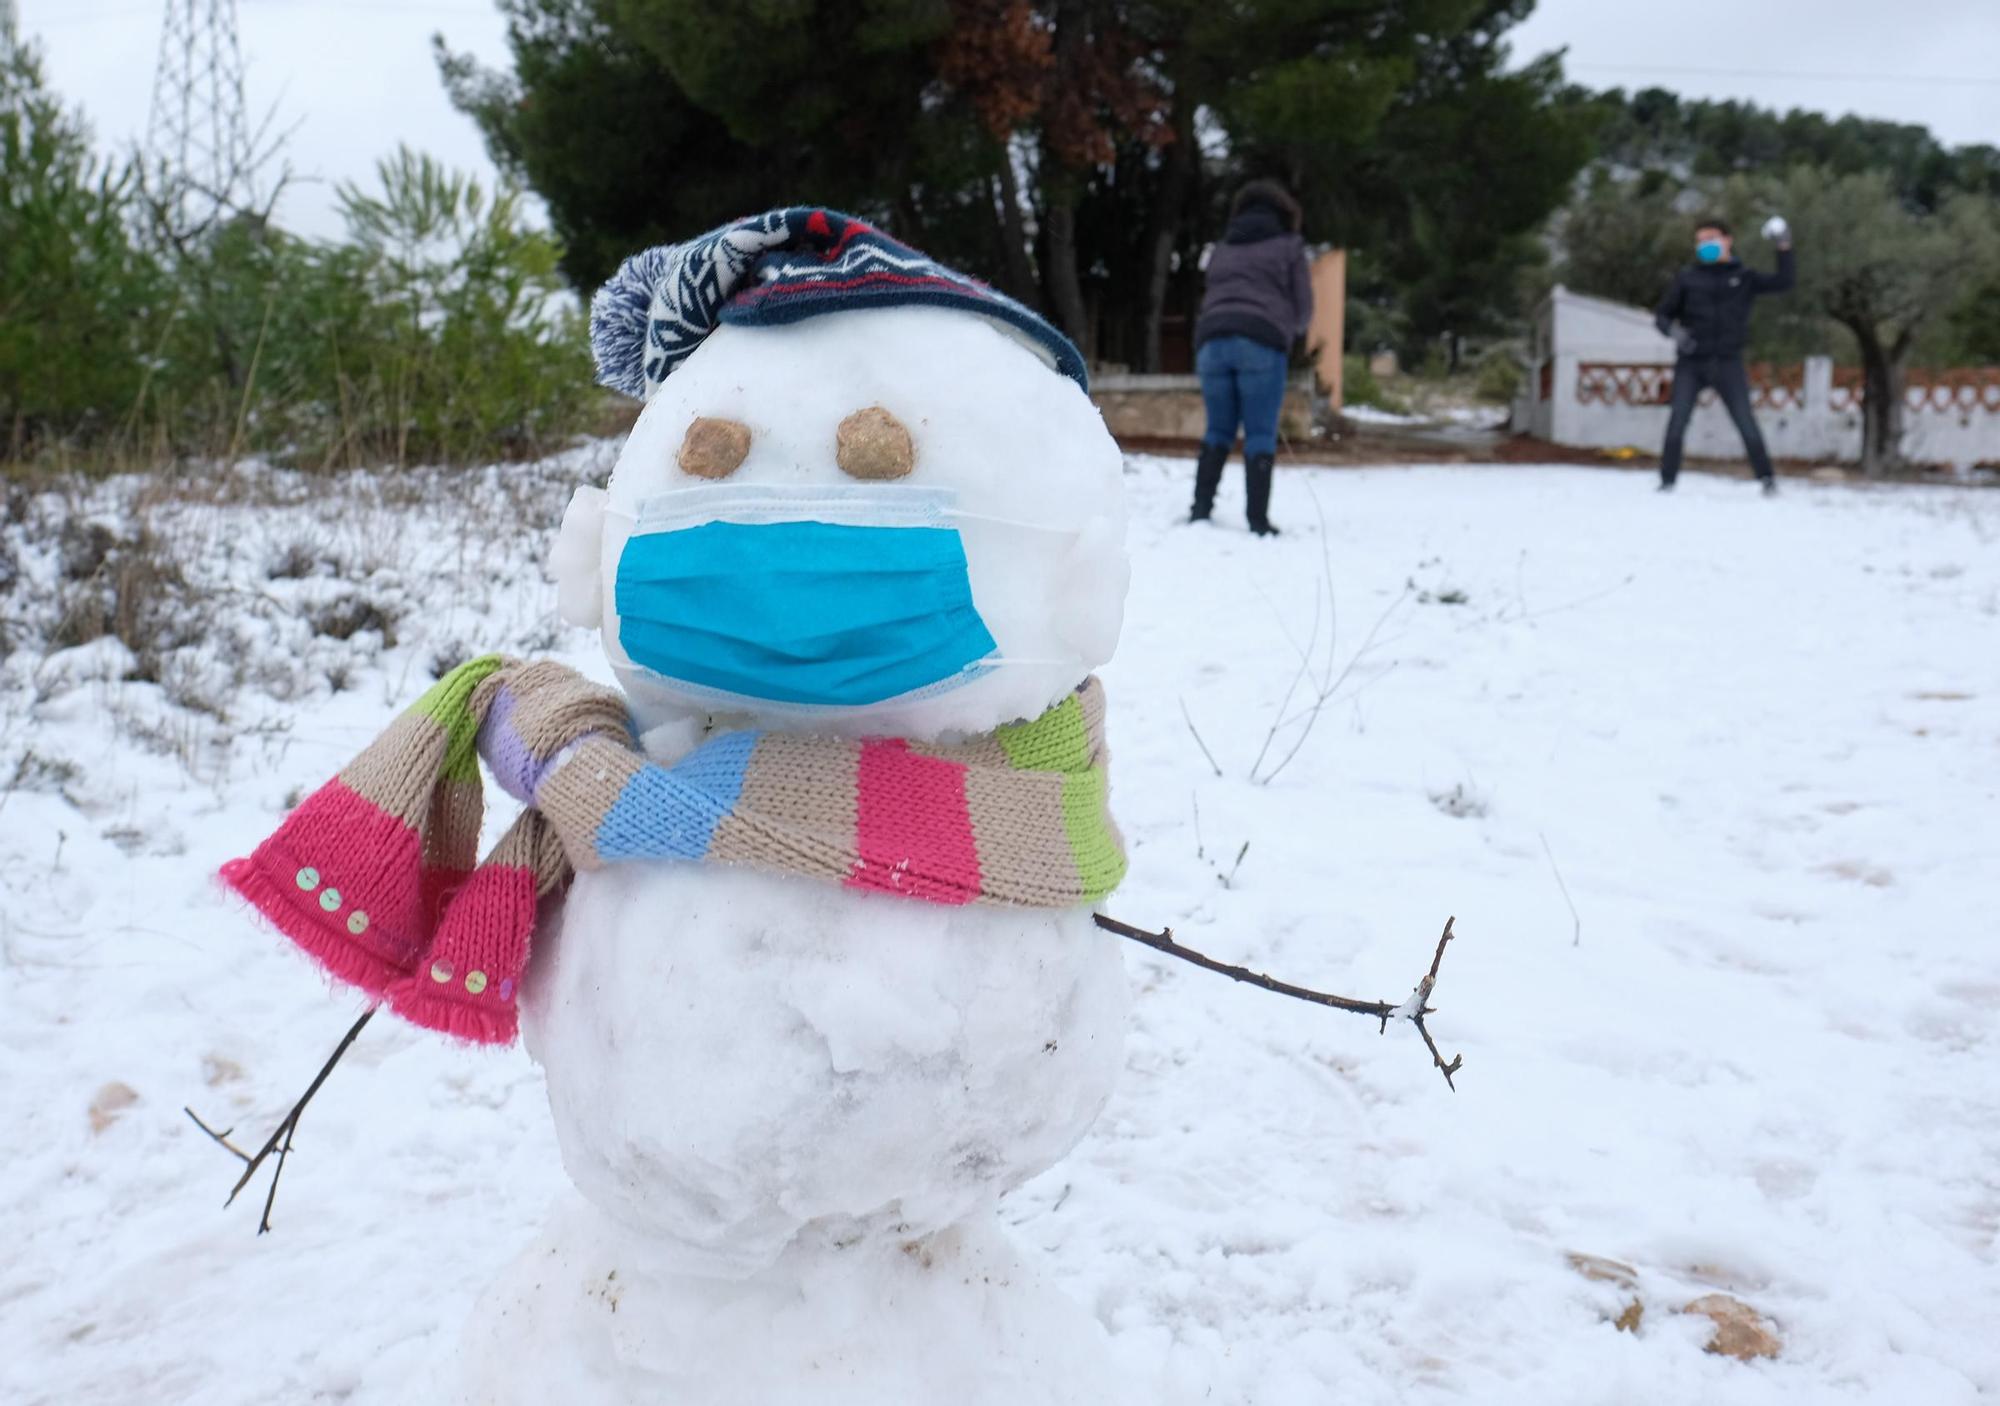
(91,13)
(402,7)
(86,12)
(1923,80)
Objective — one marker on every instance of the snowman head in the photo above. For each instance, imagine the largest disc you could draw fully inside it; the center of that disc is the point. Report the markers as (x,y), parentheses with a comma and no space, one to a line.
(867,495)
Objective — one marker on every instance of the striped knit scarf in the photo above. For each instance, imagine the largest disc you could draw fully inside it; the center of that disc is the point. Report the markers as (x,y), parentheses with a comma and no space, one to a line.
(373,875)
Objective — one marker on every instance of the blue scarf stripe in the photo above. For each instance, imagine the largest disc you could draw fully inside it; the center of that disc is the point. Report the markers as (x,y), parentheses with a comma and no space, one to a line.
(671,813)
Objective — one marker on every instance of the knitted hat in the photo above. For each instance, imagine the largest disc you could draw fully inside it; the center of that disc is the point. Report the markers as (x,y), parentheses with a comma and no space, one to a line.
(778,267)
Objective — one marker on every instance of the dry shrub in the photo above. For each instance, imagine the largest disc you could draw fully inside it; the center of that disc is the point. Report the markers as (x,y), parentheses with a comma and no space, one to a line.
(129,587)
(34,771)
(449,656)
(297,561)
(350,614)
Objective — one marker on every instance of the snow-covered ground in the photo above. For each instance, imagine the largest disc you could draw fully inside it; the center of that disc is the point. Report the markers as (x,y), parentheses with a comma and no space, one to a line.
(1759,740)
(1375,415)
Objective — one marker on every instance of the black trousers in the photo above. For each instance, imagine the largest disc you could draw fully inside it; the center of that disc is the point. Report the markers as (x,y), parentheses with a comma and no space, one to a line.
(1730,382)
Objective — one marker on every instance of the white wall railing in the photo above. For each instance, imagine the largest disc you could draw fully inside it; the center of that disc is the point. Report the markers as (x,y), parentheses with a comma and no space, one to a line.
(1807,411)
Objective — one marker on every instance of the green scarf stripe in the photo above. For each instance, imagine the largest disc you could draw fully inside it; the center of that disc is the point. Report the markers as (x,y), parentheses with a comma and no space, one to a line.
(448,702)
(1100,863)
(1056,741)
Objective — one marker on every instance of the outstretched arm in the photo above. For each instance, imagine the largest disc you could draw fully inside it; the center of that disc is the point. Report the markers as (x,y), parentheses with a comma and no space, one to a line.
(1786,276)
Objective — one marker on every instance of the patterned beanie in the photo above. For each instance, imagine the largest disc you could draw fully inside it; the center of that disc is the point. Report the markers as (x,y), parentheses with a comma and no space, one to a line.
(778,267)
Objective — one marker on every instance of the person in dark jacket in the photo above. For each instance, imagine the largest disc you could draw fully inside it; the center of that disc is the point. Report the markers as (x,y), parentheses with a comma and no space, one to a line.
(1258,301)
(1707,313)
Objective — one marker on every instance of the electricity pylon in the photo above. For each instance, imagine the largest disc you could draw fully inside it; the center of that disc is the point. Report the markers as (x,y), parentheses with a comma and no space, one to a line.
(201,153)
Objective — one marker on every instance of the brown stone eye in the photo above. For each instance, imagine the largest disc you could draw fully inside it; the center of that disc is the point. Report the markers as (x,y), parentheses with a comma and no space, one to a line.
(714,448)
(872,444)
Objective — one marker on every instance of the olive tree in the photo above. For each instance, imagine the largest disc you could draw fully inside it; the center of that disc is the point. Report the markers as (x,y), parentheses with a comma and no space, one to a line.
(1886,272)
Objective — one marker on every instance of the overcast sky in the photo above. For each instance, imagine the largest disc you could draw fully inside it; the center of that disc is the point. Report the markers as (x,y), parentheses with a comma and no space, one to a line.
(1932,62)
(357,75)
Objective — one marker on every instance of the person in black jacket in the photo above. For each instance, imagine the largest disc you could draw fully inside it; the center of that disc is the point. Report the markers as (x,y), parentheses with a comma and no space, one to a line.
(1707,313)
(1257,302)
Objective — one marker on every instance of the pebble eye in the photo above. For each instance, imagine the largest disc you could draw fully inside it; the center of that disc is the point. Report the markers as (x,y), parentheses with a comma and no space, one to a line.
(713,448)
(872,444)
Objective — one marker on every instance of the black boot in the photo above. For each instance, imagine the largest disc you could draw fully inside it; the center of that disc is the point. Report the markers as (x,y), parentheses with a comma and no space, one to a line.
(1257,477)
(1207,476)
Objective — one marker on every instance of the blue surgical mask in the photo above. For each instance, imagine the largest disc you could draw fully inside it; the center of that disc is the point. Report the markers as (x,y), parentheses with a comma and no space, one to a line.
(1709,251)
(831,596)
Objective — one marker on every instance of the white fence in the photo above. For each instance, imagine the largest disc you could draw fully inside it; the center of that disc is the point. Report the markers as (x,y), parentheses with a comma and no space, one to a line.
(1602,378)
(1809,411)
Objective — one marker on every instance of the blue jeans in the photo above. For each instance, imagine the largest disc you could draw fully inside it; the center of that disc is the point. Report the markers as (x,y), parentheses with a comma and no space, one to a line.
(1242,383)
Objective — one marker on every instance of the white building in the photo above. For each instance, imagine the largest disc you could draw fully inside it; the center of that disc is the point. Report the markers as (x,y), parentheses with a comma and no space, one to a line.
(1601,375)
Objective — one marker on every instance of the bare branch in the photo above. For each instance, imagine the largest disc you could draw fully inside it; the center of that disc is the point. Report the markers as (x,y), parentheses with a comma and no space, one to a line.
(278,1170)
(221,1137)
(1197,738)
(1330,688)
(1326,577)
(280,1140)
(1503,618)
(1328,683)
(1576,938)
(1229,879)
(1437,957)
(1305,672)
(1414,1009)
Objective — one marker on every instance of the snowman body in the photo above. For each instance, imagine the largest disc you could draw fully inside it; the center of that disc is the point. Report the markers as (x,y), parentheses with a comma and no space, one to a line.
(788,1105)
(739,1061)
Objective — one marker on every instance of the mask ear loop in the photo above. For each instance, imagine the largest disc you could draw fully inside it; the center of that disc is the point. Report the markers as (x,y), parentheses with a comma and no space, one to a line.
(1043,527)
(853,504)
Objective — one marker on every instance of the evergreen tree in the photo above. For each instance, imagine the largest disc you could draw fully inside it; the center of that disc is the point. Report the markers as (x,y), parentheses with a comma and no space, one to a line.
(1657,131)
(76,297)
(597,127)
(1076,152)
(1884,273)
(1482,157)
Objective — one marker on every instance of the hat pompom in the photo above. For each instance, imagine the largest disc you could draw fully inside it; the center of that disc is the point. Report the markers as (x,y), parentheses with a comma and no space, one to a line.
(619,314)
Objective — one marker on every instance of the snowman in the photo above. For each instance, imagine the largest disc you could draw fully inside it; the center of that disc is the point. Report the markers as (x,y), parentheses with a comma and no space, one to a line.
(867,498)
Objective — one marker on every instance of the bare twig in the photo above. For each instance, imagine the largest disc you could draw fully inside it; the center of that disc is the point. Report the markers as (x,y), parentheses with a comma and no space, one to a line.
(1327,691)
(1229,879)
(1413,1009)
(1197,739)
(1576,938)
(1306,713)
(1201,850)
(1304,673)
(250,380)
(222,1137)
(277,1170)
(1503,618)
(280,1141)
(1323,688)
